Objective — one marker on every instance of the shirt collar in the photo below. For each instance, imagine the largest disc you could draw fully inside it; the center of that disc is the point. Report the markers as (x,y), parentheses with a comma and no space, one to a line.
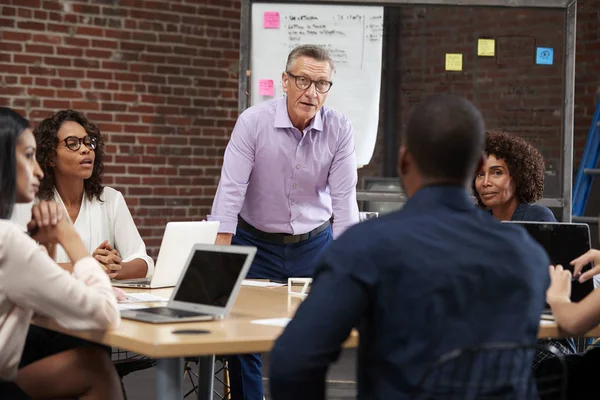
(282,118)
(453,196)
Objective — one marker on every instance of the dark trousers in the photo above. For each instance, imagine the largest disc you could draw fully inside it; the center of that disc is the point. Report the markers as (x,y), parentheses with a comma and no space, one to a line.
(278,262)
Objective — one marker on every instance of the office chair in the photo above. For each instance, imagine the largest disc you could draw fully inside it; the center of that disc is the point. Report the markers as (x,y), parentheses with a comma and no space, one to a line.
(499,371)
(190,373)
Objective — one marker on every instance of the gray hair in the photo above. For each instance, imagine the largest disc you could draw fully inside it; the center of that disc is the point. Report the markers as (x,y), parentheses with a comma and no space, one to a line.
(311,51)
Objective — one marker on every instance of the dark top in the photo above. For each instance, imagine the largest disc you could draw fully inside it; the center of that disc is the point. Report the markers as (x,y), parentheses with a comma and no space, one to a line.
(533,213)
(435,276)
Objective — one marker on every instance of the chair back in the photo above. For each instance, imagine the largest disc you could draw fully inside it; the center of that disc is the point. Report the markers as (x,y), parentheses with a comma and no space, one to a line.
(492,372)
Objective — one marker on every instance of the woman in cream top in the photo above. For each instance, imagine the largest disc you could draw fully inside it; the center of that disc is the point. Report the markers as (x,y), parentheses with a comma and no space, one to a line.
(71,152)
(32,283)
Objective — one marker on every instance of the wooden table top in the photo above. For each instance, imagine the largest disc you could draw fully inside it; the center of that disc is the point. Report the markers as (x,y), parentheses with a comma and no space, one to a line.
(234,335)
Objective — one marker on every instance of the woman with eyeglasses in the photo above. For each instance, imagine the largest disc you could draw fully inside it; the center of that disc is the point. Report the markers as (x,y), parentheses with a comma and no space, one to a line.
(32,283)
(70,152)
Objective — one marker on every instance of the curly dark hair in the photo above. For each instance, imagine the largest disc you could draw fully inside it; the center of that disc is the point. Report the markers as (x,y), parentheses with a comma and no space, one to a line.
(524,162)
(46,136)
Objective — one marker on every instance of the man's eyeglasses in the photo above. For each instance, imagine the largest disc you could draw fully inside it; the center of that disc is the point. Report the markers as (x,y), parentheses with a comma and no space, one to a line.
(304,82)
(74,143)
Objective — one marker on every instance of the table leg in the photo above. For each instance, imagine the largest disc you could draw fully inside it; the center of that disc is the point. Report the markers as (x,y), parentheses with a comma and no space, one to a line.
(206,376)
(169,378)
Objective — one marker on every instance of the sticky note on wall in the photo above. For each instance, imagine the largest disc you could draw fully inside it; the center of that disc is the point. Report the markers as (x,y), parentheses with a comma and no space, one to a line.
(271,20)
(454,62)
(266,87)
(544,56)
(486,47)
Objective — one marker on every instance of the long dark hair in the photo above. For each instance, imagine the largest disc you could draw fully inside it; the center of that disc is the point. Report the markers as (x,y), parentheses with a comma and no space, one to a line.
(46,136)
(12,126)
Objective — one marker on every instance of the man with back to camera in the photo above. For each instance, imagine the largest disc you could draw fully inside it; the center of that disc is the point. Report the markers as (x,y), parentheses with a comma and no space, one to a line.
(290,165)
(436,276)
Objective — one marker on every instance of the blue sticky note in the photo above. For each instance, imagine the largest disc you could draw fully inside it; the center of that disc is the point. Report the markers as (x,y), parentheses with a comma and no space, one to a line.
(544,56)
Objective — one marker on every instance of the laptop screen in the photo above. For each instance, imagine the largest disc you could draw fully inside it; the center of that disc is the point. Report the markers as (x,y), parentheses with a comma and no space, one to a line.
(564,243)
(210,278)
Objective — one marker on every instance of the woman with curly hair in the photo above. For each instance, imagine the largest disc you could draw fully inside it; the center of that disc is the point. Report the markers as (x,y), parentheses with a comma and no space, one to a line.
(70,152)
(511,179)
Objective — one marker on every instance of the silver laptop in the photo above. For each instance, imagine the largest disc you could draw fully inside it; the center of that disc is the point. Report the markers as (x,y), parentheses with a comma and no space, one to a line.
(178,240)
(207,288)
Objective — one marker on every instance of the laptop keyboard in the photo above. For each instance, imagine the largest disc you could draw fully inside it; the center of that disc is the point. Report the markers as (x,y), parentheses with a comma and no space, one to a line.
(171,312)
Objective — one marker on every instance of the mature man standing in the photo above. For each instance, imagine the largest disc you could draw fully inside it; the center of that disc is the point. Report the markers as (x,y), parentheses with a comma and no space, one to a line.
(290,165)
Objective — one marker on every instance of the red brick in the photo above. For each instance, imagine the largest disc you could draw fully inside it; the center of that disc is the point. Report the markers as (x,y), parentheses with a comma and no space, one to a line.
(58,28)
(41,92)
(42,71)
(95,53)
(85,105)
(25,13)
(107,44)
(52,39)
(15,36)
(70,94)
(27,59)
(9,11)
(57,104)
(76,41)
(63,62)
(31,26)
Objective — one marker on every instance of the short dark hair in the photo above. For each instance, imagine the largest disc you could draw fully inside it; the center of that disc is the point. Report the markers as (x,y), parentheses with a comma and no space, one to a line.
(12,125)
(46,135)
(524,162)
(312,51)
(445,135)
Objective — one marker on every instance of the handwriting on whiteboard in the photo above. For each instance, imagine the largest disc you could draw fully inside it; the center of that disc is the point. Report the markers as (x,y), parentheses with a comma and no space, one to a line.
(354,29)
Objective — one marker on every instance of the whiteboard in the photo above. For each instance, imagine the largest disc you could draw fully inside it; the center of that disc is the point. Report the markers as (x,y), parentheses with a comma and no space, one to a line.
(352,34)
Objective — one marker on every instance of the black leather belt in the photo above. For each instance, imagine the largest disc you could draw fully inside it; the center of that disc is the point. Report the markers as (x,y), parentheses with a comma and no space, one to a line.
(281,238)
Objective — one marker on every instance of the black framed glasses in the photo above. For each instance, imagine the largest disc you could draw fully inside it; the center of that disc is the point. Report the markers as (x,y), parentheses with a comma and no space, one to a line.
(73,143)
(304,82)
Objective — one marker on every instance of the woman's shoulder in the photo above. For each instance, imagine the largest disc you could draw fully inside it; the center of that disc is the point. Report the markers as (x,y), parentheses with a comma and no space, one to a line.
(533,213)
(110,195)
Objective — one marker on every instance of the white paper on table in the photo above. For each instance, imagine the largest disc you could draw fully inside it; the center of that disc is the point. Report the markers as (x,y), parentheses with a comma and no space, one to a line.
(142,298)
(545,322)
(123,307)
(272,321)
(247,282)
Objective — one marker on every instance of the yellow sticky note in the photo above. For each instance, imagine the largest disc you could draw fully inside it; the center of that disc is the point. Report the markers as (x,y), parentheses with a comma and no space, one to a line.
(486,47)
(454,62)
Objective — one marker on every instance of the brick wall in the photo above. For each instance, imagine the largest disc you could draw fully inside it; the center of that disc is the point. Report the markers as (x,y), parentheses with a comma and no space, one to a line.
(160,79)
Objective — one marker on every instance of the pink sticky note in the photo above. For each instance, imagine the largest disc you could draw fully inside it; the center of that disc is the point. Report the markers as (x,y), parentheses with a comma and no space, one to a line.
(271,20)
(266,87)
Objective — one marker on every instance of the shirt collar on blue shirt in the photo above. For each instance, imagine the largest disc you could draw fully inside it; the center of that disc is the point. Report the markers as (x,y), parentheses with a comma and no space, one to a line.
(282,118)
(452,196)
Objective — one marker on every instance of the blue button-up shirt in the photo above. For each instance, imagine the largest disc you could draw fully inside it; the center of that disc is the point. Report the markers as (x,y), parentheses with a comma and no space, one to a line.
(436,276)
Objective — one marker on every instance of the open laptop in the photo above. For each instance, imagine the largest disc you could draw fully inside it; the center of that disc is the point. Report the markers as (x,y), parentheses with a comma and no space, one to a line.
(563,242)
(178,240)
(207,288)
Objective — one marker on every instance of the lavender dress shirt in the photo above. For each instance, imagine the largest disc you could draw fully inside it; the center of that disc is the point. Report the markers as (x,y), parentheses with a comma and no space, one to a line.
(279,179)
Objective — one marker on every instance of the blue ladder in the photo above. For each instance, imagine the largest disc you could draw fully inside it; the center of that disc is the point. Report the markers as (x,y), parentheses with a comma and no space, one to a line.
(588,166)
